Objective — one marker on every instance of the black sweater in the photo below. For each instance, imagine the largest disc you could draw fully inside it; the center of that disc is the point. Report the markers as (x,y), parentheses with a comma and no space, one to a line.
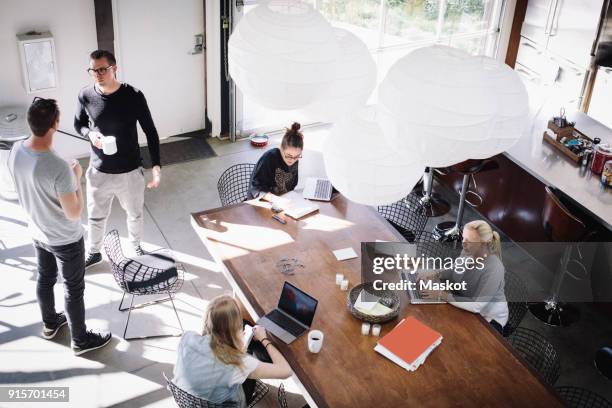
(272,175)
(116,115)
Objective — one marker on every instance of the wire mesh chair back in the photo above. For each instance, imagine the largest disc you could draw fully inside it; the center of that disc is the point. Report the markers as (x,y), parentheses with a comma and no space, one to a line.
(427,245)
(516,296)
(186,400)
(538,352)
(233,185)
(136,278)
(282,397)
(405,216)
(576,397)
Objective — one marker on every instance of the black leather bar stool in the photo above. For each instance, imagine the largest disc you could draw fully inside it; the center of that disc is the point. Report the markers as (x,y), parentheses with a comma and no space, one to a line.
(430,204)
(560,226)
(452,230)
(603,362)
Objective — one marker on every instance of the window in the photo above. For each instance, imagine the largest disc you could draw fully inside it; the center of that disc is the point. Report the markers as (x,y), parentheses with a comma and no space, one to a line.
(393,28)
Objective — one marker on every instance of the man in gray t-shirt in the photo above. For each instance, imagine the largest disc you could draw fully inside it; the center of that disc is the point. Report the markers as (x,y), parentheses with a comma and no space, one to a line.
(49,190)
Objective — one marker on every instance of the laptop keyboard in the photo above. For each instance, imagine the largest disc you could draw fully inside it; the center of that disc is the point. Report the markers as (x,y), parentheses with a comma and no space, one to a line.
(285,322)
(322,189)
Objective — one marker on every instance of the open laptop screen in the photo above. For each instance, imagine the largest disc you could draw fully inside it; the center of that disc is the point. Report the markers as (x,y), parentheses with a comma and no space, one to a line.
(297,304)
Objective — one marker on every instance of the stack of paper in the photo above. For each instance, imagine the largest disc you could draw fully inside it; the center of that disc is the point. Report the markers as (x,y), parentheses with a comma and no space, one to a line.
(409,343)
(295,206)
(369,304)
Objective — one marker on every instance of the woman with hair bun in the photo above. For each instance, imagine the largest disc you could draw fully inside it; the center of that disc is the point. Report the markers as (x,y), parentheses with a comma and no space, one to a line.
(276,172)
(484,283)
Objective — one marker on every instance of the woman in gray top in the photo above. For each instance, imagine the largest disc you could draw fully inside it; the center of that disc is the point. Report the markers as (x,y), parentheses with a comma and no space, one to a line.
(484,283)
(214,365)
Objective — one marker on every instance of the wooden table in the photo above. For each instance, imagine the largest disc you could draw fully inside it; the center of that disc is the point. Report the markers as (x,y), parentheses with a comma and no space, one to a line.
(473,366)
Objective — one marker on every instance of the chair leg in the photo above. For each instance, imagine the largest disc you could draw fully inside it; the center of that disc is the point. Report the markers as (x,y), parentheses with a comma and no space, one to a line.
(176,313)
(127,322)
(132,307)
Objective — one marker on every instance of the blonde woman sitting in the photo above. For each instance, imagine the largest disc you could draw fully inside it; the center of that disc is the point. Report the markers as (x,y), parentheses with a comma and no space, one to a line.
(484,286)
(215,366)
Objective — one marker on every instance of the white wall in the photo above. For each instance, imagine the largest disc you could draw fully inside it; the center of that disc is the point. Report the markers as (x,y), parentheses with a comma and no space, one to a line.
(153,42)
(72,23)
(213,61)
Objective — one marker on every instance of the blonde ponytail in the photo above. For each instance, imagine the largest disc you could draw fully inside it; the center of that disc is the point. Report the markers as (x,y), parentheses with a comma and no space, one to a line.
(487,235)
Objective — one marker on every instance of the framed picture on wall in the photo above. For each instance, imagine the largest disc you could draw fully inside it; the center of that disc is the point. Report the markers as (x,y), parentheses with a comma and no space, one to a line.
(38,63)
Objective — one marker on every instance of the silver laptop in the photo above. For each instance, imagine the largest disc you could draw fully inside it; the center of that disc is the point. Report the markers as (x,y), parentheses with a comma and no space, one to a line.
(318,189)
(293,316)
(415,294)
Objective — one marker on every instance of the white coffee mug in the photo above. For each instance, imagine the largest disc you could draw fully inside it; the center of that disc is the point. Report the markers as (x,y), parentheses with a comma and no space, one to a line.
(109,145)
(315,341)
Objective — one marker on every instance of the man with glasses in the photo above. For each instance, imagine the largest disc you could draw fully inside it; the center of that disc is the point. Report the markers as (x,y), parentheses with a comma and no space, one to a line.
(111,108)
(49,190)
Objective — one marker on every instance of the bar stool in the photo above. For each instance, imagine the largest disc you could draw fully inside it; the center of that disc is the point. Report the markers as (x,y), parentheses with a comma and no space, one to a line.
(603,362)
(560,226)
(430,204)
(451,230)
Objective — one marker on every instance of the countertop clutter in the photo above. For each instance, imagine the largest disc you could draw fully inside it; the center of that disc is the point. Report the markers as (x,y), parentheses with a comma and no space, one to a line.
(547,163)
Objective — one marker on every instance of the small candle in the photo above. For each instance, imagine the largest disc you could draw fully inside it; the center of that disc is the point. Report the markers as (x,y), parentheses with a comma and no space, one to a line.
(365,328)
(376,330)
(339,278)
(344,284)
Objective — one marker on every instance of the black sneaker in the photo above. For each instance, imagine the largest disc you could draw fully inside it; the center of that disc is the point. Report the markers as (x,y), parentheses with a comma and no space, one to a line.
(92,341)
(139,251)
(49,331)
(93,259)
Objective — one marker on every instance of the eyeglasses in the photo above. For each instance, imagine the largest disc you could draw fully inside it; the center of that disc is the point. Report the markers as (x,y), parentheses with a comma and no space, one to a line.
(290,157)
(99,71)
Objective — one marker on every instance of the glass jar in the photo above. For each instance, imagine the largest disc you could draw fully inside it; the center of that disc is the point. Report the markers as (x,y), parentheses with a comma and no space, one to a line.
(606,174)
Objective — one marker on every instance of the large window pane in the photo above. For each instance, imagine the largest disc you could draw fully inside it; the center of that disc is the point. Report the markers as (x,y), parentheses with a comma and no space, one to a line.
(410,21)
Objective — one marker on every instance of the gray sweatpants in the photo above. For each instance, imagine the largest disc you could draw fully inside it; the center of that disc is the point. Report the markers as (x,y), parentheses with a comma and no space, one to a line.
(101,189)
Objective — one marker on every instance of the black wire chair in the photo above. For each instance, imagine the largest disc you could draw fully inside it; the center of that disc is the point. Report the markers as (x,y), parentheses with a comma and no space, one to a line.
(186,400)
(576,397)
(516,296)
(151,274)
(429,246)
(282,397)
(405,216)
(538,352)
(233,185)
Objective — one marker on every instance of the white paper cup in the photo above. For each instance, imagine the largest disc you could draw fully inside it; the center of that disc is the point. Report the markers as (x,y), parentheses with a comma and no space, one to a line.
(109,145)
(339,278)
(365,328)
(315,341)
(376,330)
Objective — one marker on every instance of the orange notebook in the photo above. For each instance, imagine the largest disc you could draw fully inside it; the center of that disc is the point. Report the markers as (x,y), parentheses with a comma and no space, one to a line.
(409,343)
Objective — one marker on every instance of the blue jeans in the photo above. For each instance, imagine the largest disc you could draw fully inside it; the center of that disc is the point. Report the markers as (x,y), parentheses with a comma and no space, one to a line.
(70,261)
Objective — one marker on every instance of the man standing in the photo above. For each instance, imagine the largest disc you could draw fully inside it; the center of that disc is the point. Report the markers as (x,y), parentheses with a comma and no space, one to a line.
(111,108)
(49,190)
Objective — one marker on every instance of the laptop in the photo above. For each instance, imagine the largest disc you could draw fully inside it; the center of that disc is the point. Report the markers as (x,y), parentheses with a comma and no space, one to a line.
(415,294)
(318,189)
(293,315)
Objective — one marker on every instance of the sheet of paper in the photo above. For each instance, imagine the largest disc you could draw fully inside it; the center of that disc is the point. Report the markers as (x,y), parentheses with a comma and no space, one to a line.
(366,302)
(345,253)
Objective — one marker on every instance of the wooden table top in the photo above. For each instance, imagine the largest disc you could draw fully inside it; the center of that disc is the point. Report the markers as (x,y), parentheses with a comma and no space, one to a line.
(473,366)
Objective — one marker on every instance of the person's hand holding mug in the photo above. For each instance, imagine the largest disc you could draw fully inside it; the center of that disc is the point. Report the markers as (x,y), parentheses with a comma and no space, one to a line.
(156,172)
(77,169)
(96,138)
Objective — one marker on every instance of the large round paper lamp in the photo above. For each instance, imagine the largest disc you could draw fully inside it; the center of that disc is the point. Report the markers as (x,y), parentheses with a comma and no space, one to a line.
(282,54)
(363,166)
(451,106)
(354,81)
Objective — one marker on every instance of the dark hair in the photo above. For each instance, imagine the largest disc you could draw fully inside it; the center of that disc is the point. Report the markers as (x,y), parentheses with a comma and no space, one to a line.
(97,54)
(42,115)
(293,137)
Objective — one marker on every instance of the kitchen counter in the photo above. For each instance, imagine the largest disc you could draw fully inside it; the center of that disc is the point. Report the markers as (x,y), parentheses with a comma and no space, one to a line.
(552,168)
